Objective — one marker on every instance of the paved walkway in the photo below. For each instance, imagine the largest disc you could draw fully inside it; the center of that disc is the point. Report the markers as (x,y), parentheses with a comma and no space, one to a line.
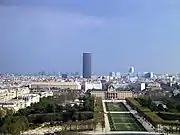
(124,132)
(42,130)
(117,112)
(115,101)
(148,126)
(107,126)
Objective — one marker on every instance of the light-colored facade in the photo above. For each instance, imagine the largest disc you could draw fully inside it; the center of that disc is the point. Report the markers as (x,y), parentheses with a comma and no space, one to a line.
(24,100)
(4,95)
(14,104)
(61,85)
(31,99)
(8,94)
(143,86)
(93,85)
(22,91)
(112,93)
(46,94)
(117,85)
(97,93)
(153,86)
(43,93)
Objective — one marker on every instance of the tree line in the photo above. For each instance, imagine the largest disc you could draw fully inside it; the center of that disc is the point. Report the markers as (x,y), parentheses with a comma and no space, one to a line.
(47,110)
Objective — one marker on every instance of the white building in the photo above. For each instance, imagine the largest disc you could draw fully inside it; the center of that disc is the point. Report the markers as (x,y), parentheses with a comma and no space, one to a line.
(117,85)
(133,79)
(31,99)
(14,104)
(154,84)
(22,91)
(143,86)
(61,85)
(93,85)
(46,94)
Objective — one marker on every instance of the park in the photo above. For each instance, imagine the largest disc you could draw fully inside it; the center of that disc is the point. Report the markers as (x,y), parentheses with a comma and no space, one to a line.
(121,119)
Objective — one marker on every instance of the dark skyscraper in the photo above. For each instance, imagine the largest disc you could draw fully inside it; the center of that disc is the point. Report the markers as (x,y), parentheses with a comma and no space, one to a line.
(86,65)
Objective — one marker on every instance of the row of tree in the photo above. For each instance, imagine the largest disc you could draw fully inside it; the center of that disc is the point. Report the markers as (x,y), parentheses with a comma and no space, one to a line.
(99,112)
(152,116)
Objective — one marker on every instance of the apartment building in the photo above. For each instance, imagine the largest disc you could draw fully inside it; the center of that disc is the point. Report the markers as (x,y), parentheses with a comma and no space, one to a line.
(14,104)
(22,91)
(31,99)
(44,93)
(8,94)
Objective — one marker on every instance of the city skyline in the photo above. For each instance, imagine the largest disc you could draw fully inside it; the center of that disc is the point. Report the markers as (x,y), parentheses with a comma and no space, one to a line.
(51,35)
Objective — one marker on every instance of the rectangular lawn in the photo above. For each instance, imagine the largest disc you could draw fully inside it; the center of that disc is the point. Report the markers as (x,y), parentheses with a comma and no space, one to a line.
(125,122)
(116,107)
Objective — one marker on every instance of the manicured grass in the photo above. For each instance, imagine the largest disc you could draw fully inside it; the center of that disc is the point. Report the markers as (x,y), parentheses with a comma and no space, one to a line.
(124,122)
(128,127)
(116,107)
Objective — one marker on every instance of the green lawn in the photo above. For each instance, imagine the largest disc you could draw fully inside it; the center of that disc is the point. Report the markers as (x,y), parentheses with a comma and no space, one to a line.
(128,127)
(116,107)
(124,122)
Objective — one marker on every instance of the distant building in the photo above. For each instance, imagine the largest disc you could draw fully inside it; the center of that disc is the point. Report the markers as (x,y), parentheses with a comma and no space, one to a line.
(153,86)
(14,104)
(98,93)
(64,75)
(131,70)
(133,79)
(112,74)
(44,93)
(143,86)
(60,85)
(31,99)
(93,85)
(113,92)
(86,65)
(118,74)
(149,75)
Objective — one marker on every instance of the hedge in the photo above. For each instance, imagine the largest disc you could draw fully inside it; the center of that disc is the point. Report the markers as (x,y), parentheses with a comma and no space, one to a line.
(169,116)
(149,115)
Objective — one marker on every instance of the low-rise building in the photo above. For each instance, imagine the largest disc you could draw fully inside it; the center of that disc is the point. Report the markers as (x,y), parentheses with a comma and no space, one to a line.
(112,93)
(153,86)
(14,104)
(8,94)
(98,93)
(31,99)
(22,91)
(46,94)
(93,85)
(61,85)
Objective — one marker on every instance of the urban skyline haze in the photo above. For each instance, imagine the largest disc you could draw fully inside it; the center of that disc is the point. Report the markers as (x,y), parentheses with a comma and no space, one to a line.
(51,35)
